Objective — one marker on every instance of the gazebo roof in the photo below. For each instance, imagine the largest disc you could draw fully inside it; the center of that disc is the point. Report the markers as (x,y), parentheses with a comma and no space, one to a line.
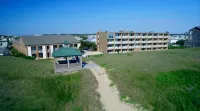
(66,52)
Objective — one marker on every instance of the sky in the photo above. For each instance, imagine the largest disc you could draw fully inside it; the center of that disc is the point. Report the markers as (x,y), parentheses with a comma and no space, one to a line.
(34,17)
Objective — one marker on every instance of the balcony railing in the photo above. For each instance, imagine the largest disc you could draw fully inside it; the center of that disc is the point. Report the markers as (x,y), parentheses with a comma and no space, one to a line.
(33,51)
(124,41)
(124,36)
(111,42)
(118,47)
(118,42)
(110,47)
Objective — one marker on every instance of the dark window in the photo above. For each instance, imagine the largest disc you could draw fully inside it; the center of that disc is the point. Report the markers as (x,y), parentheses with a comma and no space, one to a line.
(33,48)
(75,45)
(41,55)
(39,47)
(110,36)
(33,55)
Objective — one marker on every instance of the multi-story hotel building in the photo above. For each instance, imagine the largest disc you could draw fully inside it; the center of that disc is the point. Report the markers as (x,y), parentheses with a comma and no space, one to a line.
(128,41)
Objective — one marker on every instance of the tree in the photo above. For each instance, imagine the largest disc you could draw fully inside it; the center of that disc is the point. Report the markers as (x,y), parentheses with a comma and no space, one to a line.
(180,42)
(88,45)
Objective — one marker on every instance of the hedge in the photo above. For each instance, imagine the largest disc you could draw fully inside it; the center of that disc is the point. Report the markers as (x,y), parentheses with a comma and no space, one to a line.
(16,53)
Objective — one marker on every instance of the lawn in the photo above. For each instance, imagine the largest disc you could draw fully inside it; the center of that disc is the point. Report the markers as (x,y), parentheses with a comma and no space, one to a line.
(158,80)
(32,85)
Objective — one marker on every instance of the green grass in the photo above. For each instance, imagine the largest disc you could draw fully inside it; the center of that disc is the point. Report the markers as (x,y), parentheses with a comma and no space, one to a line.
(32,85)
(158,80)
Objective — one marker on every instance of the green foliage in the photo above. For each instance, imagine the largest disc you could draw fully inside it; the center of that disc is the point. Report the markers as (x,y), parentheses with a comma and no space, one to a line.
(27,85)
(180,88)
(16,53)
(87,44)
(180,42)
(176,47)
(156,80)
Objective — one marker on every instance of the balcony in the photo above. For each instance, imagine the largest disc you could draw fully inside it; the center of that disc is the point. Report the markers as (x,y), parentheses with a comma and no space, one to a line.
(148,41)
(118,47)
(118,42)
(131,36)
(117,36)
(33,51)
(124,36)
(39,50)
(111,42)
(137,41)
(110,47)
(124,47)
(124,42)
(143,36)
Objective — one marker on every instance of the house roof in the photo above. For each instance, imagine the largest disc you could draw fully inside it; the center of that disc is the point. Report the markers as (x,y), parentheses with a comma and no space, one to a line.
(48,39)
(197,28)
(66,52)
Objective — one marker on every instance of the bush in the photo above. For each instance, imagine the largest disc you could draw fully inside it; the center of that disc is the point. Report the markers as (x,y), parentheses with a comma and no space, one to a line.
(176,47)
(16,53)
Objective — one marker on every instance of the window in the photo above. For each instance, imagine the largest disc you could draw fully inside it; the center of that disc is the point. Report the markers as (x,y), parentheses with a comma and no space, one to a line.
(62,45)
(110,36)
(41,55)
(1,44)
(75,45)
(33,55)
(39,47)
(33,48)
(116,34)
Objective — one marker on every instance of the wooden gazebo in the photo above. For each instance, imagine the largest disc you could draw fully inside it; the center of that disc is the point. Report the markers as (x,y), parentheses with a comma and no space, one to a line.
(67,64)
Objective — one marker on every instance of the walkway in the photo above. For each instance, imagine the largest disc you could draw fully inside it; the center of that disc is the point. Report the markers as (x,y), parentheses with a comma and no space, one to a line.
(109,96)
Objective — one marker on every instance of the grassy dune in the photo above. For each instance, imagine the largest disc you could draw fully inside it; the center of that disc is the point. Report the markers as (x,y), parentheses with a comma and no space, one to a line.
(160,80)
(32,85)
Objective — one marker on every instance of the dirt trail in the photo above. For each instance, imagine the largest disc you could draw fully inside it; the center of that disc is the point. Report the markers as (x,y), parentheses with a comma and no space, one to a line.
(109,95)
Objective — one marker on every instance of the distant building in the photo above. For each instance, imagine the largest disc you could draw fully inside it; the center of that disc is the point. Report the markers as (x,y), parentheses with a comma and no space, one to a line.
(78,38)
(91,38)
(194,37)
(43,46)
(4,46)
(128,41)
(175,37)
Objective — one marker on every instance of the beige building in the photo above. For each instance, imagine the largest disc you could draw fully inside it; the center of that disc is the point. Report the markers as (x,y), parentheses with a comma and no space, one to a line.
(43,46)
(128,41)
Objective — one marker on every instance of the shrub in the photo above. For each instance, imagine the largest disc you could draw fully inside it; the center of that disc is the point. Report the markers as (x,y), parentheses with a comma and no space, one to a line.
(16,53)
(176,47)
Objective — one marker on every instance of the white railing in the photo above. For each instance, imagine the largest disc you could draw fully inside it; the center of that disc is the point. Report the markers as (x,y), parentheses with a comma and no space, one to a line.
(124,41)
(118,42)
(117,47)
(111,42)
(40,51)
(33,51)
(149,41)
(117,36)
(124,36)
(110,47)
(125,47)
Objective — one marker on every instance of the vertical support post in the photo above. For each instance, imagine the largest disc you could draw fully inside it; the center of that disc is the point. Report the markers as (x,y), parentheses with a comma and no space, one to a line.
(81,61)
(54,65)
(67,62)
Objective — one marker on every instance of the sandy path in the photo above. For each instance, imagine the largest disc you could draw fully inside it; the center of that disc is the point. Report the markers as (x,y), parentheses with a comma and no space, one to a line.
(109,95)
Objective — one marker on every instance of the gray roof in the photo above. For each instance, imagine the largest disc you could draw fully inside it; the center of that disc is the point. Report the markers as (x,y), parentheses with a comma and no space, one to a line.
(48,39)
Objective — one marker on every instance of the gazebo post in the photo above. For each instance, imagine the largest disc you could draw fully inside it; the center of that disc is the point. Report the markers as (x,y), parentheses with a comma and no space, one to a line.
(54,65)
(81,61)
(67,62)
